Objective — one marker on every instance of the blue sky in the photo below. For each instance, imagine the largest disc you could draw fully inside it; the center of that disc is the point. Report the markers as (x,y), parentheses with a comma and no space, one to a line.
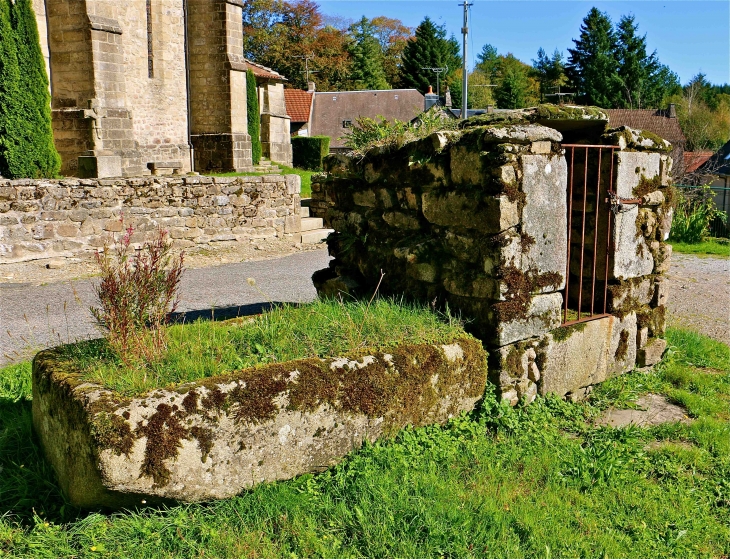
(689,36)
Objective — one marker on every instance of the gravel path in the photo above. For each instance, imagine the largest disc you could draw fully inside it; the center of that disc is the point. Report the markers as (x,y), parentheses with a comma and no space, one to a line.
(36,316)
(699,295)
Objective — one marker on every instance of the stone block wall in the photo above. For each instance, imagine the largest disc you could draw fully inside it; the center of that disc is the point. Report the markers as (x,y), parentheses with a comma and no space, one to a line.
(477,220)
(44,218)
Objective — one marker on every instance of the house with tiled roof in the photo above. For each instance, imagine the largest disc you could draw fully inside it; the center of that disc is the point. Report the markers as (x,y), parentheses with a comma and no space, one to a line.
(275,137)
(662,122)
(299,109)
(333,113)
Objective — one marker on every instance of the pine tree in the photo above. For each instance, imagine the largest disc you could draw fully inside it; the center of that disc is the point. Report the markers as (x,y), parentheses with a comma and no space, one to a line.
(549,72)
(592,64)
(254,118)
(26,135)
(488,62)
(644,81)
(514,85)
(429,49)
(367,57)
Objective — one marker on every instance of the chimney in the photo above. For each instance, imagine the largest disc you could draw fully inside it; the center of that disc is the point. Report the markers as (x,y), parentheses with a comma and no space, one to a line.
(311,87)
(430,99)
(672,112)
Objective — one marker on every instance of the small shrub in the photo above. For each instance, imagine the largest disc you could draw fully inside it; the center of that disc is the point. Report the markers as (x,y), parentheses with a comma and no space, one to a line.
(137,293)
(368,133)
(310,151)
(695,211)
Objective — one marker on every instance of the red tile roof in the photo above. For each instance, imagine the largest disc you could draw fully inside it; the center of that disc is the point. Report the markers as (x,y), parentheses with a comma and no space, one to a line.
(263,72)
(298,104)
(693,160)
(651,120)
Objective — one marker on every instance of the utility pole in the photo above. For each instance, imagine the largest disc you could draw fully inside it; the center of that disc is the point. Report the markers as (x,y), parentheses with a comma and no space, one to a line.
(438,72)
(465,77)
(307,58)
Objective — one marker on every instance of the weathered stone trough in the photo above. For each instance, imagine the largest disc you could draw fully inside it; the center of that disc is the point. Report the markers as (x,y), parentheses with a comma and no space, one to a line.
(215,437)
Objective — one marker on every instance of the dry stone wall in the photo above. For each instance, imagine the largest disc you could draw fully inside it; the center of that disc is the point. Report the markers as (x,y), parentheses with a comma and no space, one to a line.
(44,218)
(477,220)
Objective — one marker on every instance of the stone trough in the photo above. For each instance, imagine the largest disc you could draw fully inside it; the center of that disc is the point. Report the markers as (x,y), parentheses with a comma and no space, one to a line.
(215,437)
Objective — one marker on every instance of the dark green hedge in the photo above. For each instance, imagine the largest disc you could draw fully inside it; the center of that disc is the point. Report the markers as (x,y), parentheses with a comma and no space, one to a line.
(254,118)
(26,136)
(309,151)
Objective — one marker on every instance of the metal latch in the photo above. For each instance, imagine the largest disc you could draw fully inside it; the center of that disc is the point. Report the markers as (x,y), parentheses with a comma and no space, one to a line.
(618,205)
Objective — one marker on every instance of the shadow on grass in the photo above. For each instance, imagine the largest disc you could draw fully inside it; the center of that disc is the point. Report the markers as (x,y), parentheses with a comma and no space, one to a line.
(27,482)
(225,313)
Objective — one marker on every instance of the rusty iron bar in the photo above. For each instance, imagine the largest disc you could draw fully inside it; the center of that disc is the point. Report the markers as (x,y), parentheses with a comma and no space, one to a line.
(583,234)
(586,319)
(570,230)
(609,240)
(595,232)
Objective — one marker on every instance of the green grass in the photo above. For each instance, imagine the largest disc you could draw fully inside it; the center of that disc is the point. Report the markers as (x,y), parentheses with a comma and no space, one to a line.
(304,174)
(710,247)
(540,482)
(318,329)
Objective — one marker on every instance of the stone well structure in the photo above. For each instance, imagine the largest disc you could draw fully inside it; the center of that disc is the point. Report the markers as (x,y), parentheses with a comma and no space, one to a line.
(481,220)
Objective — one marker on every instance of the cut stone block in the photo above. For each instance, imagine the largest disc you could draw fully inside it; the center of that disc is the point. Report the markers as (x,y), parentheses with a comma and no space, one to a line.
(652,353)
(543,314)
(212,438)
(544,217)
(632,257)
(588,353)
(631,166)
(489,215)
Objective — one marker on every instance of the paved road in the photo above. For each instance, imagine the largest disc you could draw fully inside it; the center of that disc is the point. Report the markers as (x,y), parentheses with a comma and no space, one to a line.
(34,317)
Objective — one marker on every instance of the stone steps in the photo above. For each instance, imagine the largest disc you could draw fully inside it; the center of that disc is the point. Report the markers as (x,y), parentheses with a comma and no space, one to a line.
(313,230)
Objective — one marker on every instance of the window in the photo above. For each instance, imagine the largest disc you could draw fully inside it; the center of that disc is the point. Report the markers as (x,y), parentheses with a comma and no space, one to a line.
(346,124)
(150,59)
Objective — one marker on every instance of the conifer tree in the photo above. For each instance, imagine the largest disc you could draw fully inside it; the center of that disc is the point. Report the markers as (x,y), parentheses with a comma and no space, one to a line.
(592,65)
(428,49)
(254,118)
(367,57)
(549,71)
(644,81)
(26,135)
(513,89)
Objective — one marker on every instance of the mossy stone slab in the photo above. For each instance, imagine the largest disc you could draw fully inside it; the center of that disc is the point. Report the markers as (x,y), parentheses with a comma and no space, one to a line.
(213,438)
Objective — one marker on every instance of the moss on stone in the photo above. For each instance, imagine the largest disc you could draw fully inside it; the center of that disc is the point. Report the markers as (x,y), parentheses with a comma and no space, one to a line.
(647,185)
(564,332)
(113,432)
(622,349)
(547,111)
(520,288)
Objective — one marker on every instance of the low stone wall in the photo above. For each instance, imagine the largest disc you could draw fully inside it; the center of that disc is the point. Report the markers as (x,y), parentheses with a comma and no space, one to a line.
(212,438)
(45,218)
(477,220)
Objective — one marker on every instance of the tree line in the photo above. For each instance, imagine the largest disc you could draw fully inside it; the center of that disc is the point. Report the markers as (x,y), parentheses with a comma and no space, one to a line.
(608,65)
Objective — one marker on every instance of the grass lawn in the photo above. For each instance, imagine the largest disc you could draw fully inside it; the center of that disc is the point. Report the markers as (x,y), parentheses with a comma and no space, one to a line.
(536,482)
(320,329)
(710,247)
(305,175)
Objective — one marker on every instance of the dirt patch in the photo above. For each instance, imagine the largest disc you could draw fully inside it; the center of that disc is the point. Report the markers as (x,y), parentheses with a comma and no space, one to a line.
(699,295)
(51,270)
(654,409)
